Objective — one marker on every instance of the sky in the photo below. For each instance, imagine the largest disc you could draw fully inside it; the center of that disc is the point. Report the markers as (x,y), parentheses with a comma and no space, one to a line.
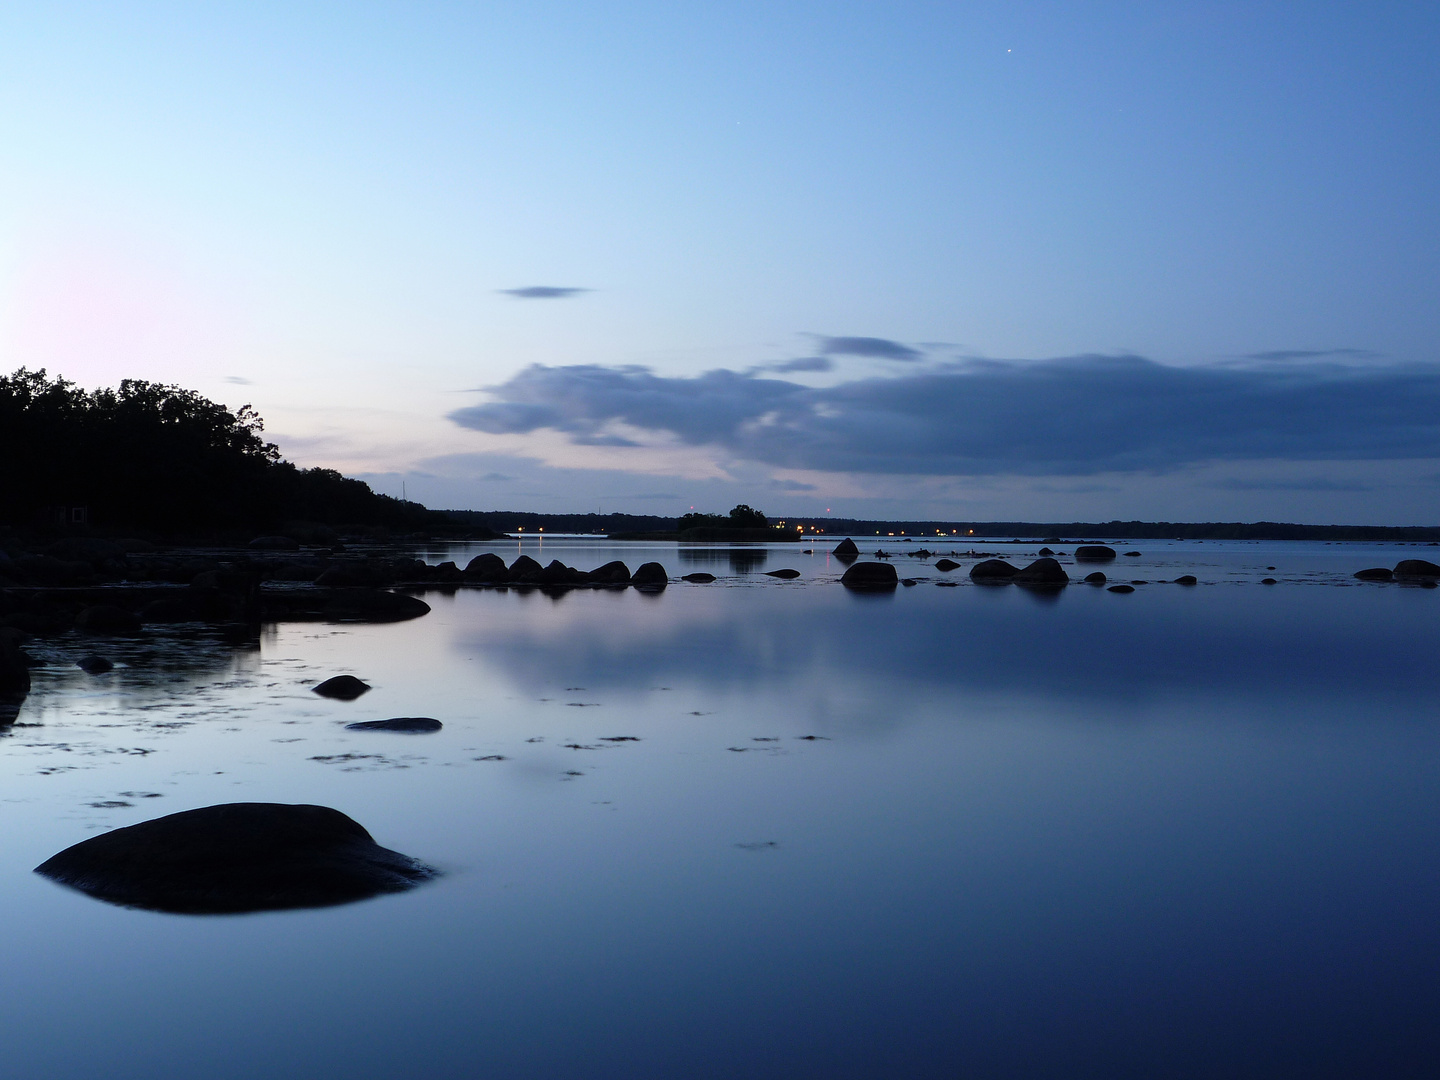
(991,261)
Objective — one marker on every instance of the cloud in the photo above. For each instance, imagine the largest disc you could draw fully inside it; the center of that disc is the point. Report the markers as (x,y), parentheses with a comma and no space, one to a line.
(1312,354)
(238,381)
(804,363)
(881,348)
(494,478)
(1314,483)
(1073,416)
(544,292)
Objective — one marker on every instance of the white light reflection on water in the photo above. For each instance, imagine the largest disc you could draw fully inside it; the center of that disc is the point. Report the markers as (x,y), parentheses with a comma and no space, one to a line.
(1184,832)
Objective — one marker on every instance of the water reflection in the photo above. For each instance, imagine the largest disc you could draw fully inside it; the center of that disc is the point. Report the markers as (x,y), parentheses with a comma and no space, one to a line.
(742,560)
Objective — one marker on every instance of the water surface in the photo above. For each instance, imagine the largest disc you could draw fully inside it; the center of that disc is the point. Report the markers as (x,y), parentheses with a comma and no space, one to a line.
(1187,832)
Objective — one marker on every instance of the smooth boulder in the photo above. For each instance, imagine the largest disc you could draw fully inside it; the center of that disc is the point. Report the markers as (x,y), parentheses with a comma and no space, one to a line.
(236,857)
(699,578)
(1121,588)
(1094,553)
(650,577)
(612,573)
(1376,573)
(1416,568)
(993,572)
(94,665)
(1097,578)
(1186,579)
(486,567)
(946,565)
(870,575)
(342,688)
(524,570)
(410,725)
(846,549)
(373,605)
(1042,572)
(787,573)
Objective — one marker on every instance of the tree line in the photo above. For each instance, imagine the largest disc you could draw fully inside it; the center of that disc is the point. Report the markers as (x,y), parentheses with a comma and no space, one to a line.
(155,457)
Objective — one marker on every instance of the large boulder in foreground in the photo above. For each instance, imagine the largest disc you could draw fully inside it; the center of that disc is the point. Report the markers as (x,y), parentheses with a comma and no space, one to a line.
(1416,568)
(846,550)
(1042,572)
(870,575)
(992,572)
(373,605)
(236,857)
(1094,553)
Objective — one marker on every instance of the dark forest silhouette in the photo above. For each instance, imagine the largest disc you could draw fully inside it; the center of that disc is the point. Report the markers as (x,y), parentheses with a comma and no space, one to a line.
(153,457)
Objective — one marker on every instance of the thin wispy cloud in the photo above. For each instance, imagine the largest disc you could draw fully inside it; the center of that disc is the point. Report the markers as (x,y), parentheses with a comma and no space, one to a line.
(878,348)
(544,292)
(238,381)
(1313,354)
(1071,416)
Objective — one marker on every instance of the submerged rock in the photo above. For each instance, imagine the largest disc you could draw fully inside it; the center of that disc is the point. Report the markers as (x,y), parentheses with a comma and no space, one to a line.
(236,857)
(410,724)
(94,665)
(846,549)
(1186,579)
(787,573)
(1094,553)
(107,619)
(342,688)
(1121,588)
(870,575)
(1097,578)
(699,578)
(946,565)
(650,577)
(1041,572)
(993,572)
(1377,573)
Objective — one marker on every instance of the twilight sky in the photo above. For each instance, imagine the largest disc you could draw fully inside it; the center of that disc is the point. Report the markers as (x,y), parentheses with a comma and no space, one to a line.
(1000,260)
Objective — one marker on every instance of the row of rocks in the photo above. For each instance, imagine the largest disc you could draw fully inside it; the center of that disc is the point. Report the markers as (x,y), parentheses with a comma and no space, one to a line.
(490,569)
(1422,570)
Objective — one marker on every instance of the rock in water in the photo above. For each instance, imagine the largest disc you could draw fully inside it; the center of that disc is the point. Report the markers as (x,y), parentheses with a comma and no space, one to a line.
(992,572)
(342,687)
(1378,573)
(413,725)
(1042,572)
(1416,568)
(612,573)
(524,569)
(1094,553)
(870,575)
(236,857)
(14,675)
(1121,588)
(373,605)
(699,578)
(274,543)
(94,665)
(1186,579)
(486,567)
(107,619)
(1097,578)
(846,549)
(650,577)
(946,565)
(787,574)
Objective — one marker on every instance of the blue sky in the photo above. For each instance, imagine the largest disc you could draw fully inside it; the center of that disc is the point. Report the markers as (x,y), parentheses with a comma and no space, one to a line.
(952,260)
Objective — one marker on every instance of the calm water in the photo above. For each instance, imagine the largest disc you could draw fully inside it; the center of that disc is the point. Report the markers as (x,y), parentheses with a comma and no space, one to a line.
(1179,833)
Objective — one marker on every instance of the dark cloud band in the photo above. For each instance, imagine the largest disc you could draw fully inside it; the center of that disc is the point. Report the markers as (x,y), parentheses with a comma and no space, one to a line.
(544,292)
(1072,416)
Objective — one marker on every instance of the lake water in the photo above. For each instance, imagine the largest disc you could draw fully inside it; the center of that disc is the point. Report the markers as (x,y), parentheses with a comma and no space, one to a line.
(1186,832)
